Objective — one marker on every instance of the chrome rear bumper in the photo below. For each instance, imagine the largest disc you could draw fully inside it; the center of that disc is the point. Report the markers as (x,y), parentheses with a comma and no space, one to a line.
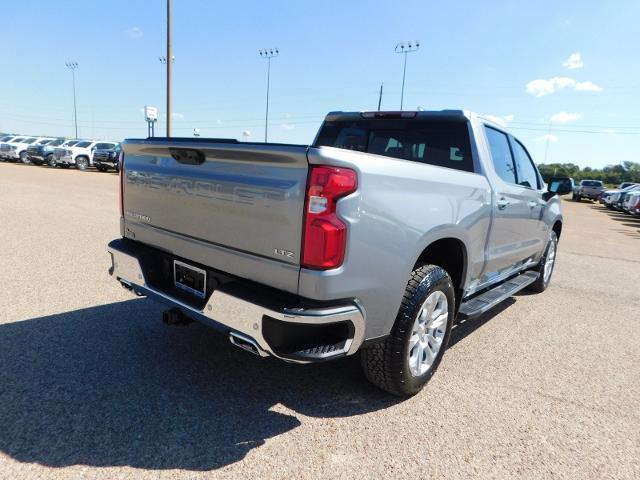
(237,312)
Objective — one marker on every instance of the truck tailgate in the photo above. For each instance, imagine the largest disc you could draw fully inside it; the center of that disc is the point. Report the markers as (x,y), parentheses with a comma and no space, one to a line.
(239,211)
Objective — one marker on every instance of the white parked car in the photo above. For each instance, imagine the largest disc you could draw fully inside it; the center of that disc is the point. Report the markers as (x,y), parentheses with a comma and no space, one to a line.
(4,144)
(17,148)
(80,154)
(611,197)
(631,201)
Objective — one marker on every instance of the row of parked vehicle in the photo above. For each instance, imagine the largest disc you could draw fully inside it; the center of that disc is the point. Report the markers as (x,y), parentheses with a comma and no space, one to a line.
(625,198)
(60,152)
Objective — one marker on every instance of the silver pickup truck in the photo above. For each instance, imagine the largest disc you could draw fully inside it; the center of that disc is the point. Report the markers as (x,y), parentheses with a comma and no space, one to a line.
(591,189)
(372,240)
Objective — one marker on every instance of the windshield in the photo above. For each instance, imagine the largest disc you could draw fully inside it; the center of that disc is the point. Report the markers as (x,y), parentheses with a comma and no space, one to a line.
(435,142)
(4,139)
(44,142)
(591,183)
(83,144)
(29,140)
(17,140)
(55,143)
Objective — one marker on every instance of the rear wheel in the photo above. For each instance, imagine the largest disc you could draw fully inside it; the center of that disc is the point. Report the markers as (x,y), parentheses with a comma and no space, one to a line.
(82,163)
(410,355)
(24,158)
(51,160)
(546,265)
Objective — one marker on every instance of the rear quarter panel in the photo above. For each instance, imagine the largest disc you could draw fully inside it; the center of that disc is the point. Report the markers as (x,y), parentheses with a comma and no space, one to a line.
(399,209)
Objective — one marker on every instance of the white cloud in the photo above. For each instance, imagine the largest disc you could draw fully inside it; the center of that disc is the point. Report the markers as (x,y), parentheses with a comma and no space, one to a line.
(504,120)
(541,87)
(588,86)
(134,32)
(547,138)
(574,61)
(288,126)
(565,117)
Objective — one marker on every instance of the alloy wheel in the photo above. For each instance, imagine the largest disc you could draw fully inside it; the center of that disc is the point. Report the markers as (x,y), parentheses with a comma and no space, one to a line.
(428,333)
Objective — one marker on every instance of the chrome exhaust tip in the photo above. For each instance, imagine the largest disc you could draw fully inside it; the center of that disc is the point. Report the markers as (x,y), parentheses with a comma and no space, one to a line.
(244,343)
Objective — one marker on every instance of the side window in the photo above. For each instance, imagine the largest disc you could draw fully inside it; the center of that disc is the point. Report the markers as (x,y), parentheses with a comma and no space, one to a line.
(527,174)
(501,155)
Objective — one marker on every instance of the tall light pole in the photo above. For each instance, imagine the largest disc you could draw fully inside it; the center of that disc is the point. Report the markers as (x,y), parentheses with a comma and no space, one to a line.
(168,61)
(406,48)
(268,53)
(73,66)
(163,60)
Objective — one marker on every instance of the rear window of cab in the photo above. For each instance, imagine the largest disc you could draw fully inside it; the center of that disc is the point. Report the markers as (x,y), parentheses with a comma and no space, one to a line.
(443,143)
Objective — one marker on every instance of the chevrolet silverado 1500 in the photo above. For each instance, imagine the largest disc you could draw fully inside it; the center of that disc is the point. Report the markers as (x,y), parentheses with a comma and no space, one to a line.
(372,240)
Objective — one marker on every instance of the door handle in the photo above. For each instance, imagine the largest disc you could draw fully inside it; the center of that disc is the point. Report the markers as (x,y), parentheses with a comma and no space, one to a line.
(533,204)
(502,203)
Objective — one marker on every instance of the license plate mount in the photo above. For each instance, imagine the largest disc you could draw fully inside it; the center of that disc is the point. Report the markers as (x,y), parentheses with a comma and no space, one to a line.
(189,278)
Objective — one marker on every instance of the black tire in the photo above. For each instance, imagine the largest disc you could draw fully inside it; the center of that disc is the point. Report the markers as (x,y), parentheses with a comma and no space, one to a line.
(24,158)
(386,364)
(540,285)
(82,163)
(51,160)
(578,198)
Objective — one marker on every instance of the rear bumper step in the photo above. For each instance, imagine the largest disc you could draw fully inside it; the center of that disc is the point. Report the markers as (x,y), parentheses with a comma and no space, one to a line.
(489,299)
(295,334)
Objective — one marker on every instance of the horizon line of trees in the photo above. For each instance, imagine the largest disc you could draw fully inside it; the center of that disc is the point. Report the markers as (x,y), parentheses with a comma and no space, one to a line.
(611,174)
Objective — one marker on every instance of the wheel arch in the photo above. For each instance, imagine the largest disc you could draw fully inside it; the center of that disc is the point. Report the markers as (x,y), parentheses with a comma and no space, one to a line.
(557,227)
(451,254)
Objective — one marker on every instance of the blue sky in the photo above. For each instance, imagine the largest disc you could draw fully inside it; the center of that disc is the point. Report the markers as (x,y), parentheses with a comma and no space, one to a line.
(514,60)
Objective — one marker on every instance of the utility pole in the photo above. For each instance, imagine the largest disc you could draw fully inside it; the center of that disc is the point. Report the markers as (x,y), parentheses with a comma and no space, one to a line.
(169,61)
(405,49)
(73,66)
(380,96)
(163,60)
(268,53)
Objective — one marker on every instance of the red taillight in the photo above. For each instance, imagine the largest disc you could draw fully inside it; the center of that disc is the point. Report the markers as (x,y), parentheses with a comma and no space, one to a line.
(121,175)
(325,234)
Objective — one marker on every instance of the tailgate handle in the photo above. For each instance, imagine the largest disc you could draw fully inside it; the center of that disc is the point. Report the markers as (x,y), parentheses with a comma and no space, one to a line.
(187,156)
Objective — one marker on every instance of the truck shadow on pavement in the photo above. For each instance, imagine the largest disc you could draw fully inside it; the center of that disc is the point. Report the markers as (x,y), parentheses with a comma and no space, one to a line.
(112,386)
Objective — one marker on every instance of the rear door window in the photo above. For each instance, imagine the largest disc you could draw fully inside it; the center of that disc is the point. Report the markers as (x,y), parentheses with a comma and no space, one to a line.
(434,142)
(526,170)
(501,155)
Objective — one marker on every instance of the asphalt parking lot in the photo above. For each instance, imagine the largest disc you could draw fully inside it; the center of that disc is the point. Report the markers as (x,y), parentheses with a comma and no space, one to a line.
(93,385)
